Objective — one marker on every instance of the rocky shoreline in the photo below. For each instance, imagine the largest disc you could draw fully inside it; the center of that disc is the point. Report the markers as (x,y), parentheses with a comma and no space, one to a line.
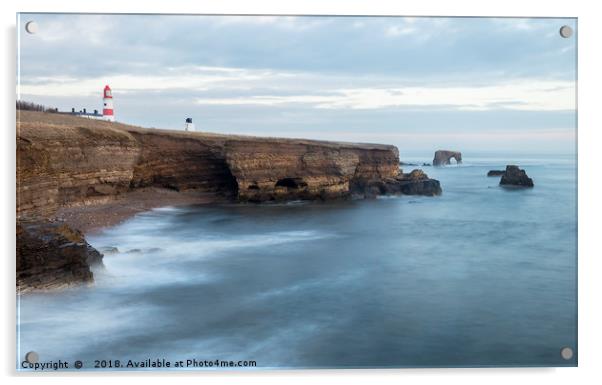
(92,218)
(77,174)
(52,255)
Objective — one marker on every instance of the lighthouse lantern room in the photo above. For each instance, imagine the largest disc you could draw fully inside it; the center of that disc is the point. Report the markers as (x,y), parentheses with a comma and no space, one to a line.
(188,126)
(107,110)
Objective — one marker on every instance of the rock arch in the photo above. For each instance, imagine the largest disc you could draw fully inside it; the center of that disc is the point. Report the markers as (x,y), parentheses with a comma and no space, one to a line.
(443,157)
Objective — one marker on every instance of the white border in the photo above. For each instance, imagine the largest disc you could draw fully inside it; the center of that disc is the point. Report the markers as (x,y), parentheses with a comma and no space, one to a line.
(590,125)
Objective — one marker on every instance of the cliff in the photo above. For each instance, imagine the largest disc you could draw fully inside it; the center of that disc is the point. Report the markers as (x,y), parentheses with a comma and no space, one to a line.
(65,161)
(68,161)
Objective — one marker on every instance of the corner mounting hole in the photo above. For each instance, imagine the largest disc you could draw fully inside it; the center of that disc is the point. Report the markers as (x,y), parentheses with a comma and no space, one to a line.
(566,353)
(566,31)
(32,357)
(31,27)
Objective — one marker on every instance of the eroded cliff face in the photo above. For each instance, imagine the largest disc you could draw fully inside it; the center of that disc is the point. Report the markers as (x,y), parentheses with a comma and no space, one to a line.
(61,165)
(68,161)
(298,169)
(181,162)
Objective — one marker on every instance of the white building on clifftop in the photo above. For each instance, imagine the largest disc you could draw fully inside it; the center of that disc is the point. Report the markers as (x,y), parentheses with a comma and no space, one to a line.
(188,126)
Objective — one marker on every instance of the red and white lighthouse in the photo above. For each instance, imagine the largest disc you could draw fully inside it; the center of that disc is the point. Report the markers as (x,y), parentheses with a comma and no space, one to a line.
(107,110)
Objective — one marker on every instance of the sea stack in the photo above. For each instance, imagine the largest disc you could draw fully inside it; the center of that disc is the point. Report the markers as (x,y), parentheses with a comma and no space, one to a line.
(514,176)
(443,157)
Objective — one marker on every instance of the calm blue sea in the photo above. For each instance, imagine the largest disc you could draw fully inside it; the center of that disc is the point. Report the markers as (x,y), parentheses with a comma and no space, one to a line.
(480,276)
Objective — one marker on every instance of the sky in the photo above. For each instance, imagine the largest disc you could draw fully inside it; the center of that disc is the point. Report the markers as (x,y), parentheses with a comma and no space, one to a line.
(422,84)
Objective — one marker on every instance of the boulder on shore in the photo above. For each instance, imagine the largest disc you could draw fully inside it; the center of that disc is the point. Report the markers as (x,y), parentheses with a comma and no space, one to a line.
(443,157)
(514,176)
(52,255)
(496,172)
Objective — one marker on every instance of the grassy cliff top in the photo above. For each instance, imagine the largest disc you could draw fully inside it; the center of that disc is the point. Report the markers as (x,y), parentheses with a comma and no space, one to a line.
(31,124)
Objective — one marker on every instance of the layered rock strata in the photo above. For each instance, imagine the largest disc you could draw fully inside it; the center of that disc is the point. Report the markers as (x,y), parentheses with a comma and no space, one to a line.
(52,255)
(65,161)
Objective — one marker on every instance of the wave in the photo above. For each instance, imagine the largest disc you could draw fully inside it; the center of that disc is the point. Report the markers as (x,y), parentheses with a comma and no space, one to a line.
(148,259)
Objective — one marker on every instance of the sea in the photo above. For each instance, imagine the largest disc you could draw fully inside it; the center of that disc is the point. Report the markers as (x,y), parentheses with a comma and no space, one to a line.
(481,276)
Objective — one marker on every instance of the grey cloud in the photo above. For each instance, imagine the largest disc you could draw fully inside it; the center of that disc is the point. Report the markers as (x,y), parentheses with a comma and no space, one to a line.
(457,46)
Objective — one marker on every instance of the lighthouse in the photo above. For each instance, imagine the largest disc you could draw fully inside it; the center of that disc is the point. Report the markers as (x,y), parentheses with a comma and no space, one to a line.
(107,110)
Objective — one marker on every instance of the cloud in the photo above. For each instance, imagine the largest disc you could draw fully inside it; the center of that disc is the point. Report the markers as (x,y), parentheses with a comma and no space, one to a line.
(534,95)
(102,45)
(520,24)
(296,23)
(191,78)
(485,134)
(266,87)
(396,30)
(94,34)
